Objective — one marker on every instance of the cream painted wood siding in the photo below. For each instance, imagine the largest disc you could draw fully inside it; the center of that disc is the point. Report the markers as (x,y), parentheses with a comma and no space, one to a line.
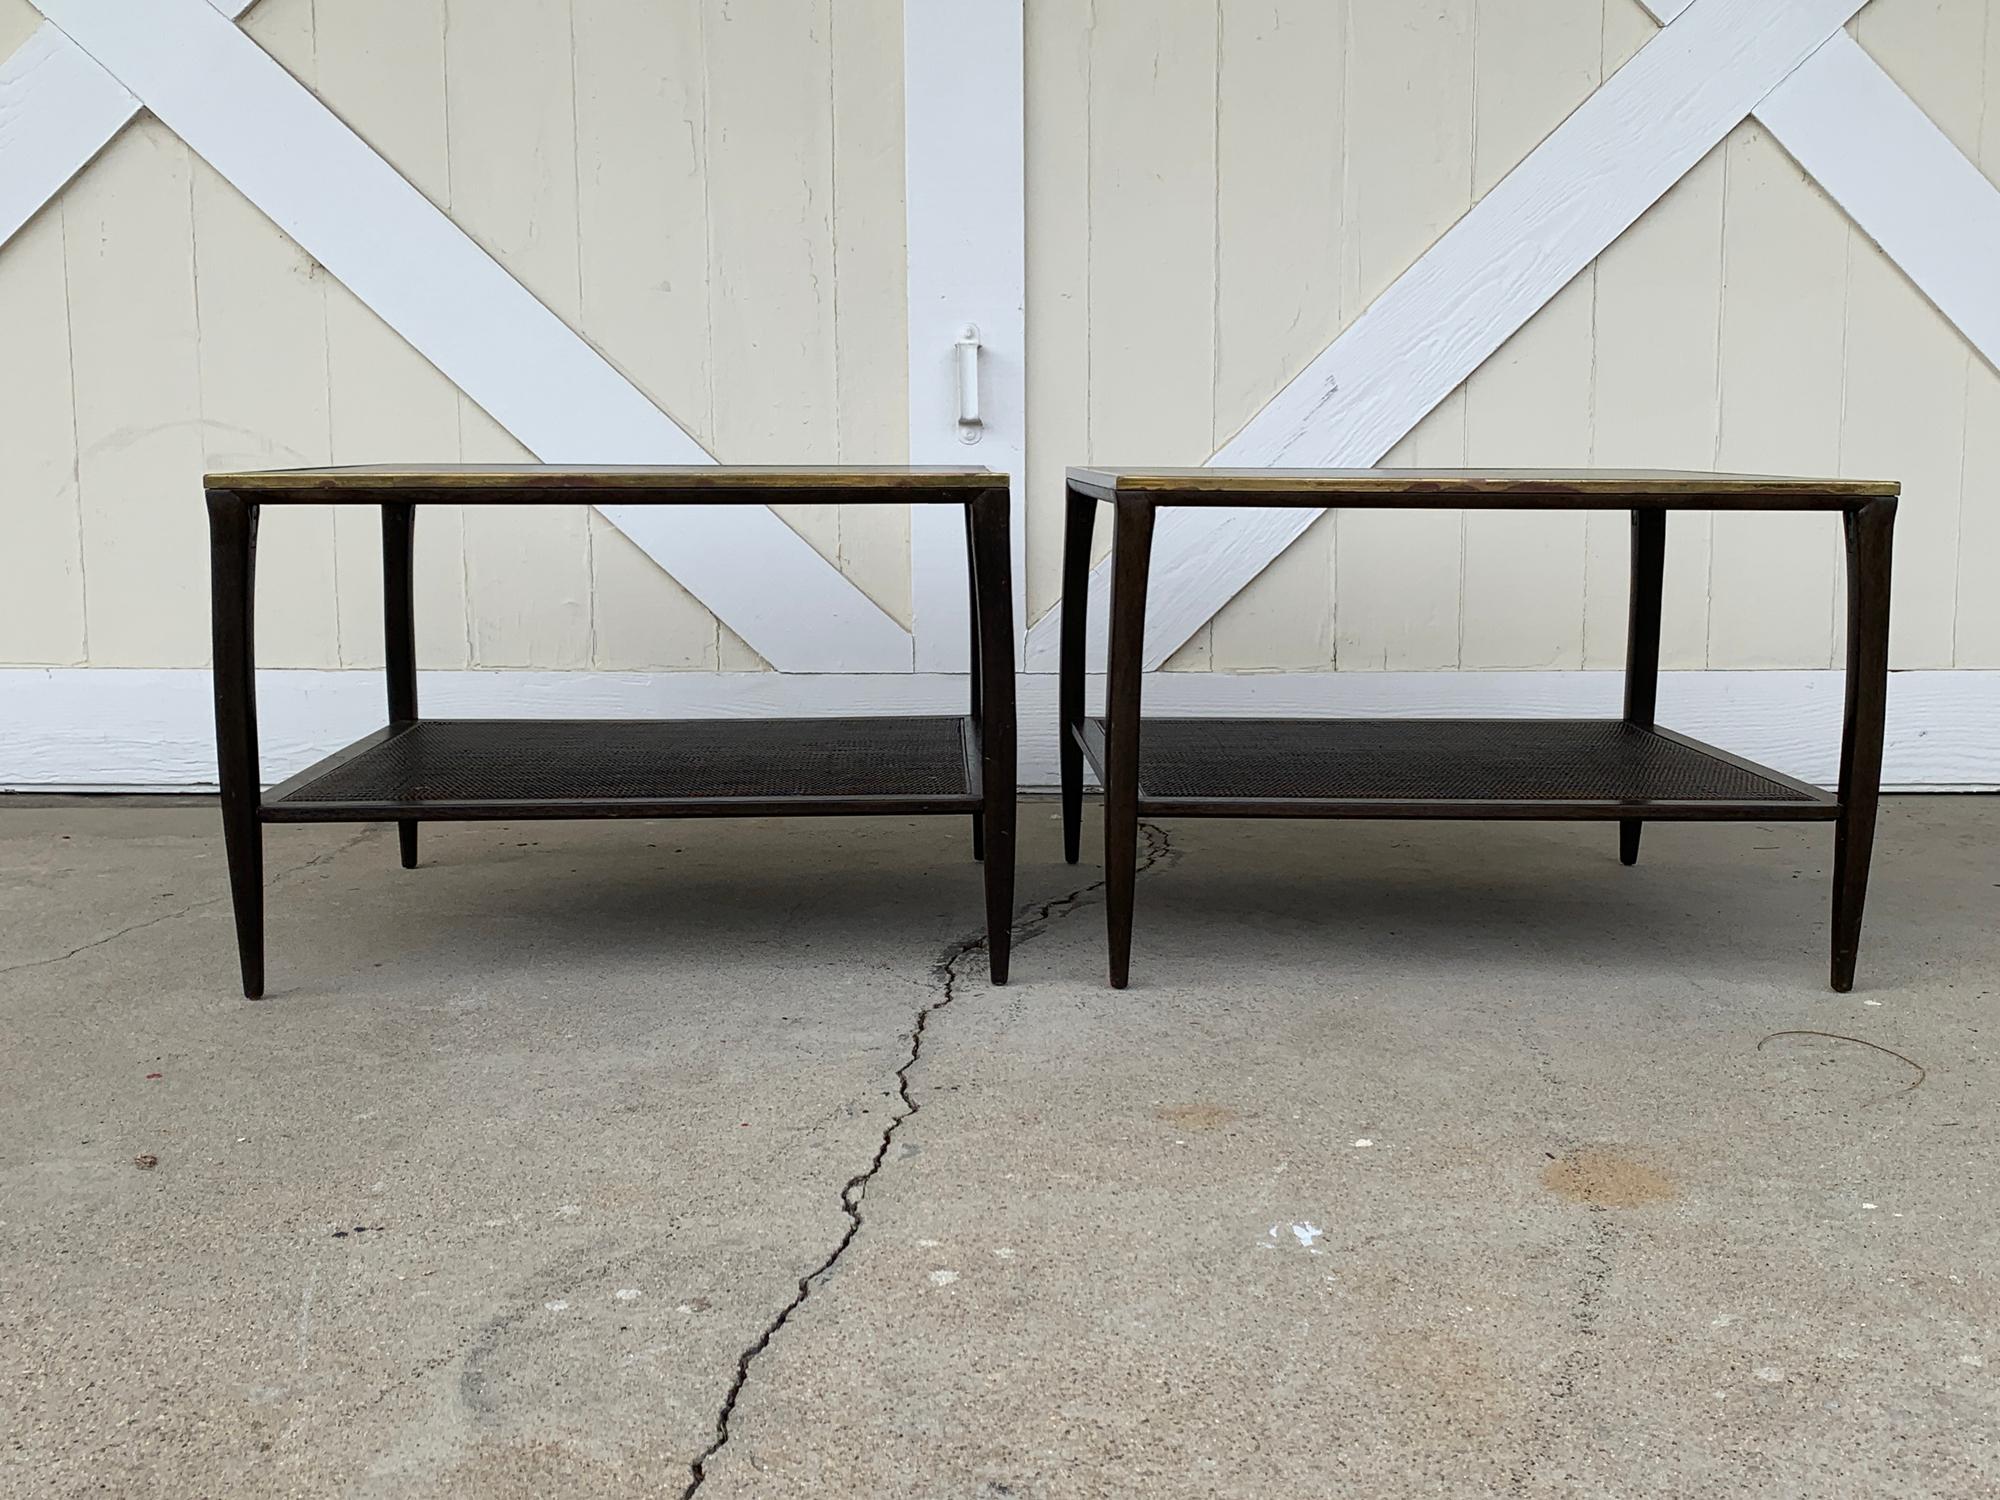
(711,193)
(1217,190)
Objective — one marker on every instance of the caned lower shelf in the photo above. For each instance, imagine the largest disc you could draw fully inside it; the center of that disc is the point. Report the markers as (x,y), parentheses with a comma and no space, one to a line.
(1448,768)
(610,768)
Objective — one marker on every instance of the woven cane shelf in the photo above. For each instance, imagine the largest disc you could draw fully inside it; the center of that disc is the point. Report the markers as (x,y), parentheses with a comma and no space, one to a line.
(1448,768)
(610,768)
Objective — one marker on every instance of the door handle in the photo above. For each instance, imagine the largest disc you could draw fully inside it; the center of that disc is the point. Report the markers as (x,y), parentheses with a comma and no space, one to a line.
(966,355)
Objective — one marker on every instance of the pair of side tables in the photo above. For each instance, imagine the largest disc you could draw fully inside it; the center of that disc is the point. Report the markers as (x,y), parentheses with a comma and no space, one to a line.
(1628,770)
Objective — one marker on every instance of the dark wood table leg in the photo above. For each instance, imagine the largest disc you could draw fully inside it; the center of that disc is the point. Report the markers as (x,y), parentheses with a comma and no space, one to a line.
(1131,560)
(993,568)
(399,635)
(973,671)
(1079,522)
(1642,643)
(232,552)
(1870,529)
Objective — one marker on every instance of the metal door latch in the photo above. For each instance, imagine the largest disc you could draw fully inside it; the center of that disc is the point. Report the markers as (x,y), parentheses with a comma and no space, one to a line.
(966,353)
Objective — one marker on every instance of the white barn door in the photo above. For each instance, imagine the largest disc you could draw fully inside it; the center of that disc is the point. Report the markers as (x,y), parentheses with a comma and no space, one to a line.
(94,64)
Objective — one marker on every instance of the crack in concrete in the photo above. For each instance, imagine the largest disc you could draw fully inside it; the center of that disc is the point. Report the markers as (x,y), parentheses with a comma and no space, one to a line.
(182,911)
(1030,924)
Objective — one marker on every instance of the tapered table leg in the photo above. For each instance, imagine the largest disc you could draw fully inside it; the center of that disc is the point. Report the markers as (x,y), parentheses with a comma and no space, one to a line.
(973,673)
(1642,643)
(993,613)
(1870,529)
(232,550)
(1131,560)
(399,635)
(1079,521)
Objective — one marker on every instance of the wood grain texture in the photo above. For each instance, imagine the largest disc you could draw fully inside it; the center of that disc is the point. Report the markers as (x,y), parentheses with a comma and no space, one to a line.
(41,565)
(1396,576)
(512,110)
(1653,398)
(381,68)
(1281,164)
(1502,488)
(1602,167)
(1058,94)
(1152,238)
(261,313)
(522,363)
(1534,61)
(128,242)
(1785,247)
(496,483)
(1977,626)
(642,230)
(58,108)
(870,268)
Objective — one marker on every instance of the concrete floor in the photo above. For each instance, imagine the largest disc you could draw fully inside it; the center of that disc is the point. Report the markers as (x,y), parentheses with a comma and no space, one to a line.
(1419,1160)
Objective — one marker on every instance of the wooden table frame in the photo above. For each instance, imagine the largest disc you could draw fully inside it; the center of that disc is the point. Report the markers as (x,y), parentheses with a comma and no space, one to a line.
(1114,746)
(976,768)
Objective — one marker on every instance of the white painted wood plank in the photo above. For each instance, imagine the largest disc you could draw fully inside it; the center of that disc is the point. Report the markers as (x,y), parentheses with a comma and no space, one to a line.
(322,185)
(1915,194)
(19,20)
(100,729)
(1976,638)
(871,301)
(965,158)
(1058,283)
(262,358)
(1396,593)
(1775,579)
(770,273)
(1397,573)
(1152,246)
(1281,149)
(1529,403)
(642,220)
(1659,296)
(1905,419)
(128,244)
(58,109)
(381,69)
(41,564)
(1977,633)
(1600,169)
(514,189)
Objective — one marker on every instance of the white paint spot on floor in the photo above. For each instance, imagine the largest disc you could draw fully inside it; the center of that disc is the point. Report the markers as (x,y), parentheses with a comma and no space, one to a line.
(1977,1362)
(558,1305)
(1364,1141)
(1770,1374)
(627,1294)
(928,1244)
(1305,1234)
(1871,1002)
(1867,1205)
(569,1211)
(943,1278)
(1005,1252)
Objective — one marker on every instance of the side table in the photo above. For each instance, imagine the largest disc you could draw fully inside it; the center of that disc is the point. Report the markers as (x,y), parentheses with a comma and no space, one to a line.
(1629,770)
(415,769)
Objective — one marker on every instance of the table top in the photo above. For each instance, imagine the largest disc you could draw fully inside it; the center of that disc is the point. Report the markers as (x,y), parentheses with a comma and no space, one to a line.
(1495,489)
(502,484)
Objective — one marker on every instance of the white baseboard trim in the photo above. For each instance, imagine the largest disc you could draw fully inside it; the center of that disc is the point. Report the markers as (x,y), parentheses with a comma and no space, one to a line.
(106,729)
